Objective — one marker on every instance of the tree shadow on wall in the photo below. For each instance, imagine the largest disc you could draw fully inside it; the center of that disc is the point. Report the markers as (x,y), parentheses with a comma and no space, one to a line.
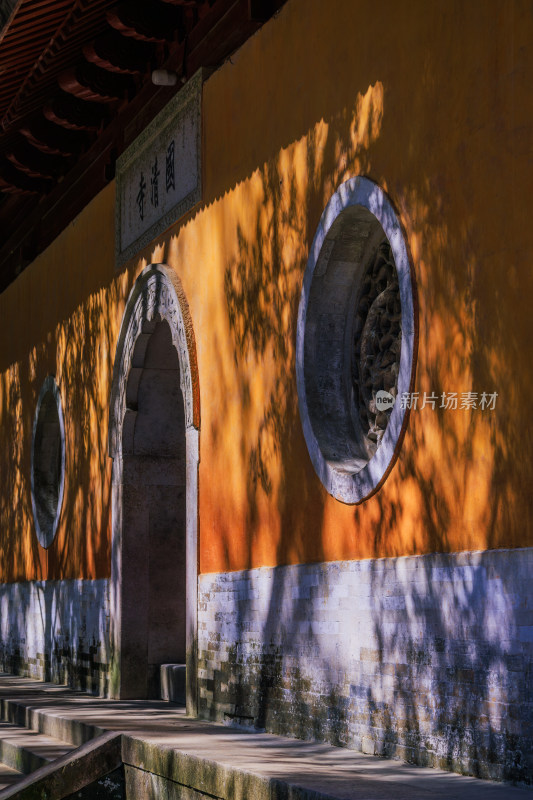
(271,688)
(434,682)
(48,607)
(457,690)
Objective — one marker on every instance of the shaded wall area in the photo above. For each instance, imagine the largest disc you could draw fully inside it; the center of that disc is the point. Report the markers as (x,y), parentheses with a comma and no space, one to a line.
(57,631)
(423,658)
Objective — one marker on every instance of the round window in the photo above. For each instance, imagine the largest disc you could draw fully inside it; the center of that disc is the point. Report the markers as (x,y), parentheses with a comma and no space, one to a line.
(47,462)
(355,341)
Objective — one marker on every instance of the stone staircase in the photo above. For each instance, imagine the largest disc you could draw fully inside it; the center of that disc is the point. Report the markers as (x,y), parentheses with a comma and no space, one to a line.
(56,744)
(35,747)
(23,751)
(35,763)
(8,777)
(26,750)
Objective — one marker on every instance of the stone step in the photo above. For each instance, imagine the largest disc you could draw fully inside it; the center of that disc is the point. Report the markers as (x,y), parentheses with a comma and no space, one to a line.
(93,770)
(72,731)
(172,678)
(156,751)
(8,776)
(25,750)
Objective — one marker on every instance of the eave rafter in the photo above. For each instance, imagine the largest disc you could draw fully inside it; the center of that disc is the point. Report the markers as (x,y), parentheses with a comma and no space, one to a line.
(155,22)
(75,114)
(34,163)
(115,53)
(74,77)
(50,138)
(96,84)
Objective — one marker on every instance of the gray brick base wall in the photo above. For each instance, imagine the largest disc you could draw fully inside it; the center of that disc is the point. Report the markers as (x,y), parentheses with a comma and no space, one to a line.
(427,658)
(57,631)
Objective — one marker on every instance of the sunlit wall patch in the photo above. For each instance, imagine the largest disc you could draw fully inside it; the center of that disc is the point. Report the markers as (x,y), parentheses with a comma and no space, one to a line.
(355,341)
(47,462)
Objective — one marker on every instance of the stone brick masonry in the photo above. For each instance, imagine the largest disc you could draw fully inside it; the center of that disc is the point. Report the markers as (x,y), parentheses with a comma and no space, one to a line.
(427,658)
(57,631)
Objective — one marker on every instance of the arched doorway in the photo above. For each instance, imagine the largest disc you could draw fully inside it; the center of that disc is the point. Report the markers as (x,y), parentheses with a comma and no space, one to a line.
(154,445)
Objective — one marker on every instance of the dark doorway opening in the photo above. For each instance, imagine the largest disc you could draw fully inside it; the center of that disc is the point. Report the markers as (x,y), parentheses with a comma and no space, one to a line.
(154,515)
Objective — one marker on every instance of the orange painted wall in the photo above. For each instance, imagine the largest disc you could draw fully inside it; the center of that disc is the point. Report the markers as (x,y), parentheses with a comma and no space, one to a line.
(432,102)
(59,317)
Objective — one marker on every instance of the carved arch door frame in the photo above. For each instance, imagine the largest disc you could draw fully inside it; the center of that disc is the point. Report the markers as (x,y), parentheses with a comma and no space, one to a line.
(156,294)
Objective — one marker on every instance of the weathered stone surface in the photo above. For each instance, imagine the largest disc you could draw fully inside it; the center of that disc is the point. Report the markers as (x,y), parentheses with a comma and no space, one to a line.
(26,750)
(140,783)
(229,762)
(108,787)
(71,773)
(8,776)
(57,630)
(173,680)
(424,658)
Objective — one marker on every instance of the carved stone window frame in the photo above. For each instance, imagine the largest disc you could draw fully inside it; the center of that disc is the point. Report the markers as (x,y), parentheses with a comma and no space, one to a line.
(346,477)
(46,537)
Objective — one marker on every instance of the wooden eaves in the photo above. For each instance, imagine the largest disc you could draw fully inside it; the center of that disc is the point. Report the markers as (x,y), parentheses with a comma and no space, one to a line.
(76,89)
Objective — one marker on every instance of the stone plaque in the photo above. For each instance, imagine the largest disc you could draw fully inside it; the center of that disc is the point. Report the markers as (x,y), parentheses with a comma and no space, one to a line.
(159,175)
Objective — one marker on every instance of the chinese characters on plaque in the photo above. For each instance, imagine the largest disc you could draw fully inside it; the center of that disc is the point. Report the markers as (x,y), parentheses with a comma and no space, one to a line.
(154,181)
(159,175)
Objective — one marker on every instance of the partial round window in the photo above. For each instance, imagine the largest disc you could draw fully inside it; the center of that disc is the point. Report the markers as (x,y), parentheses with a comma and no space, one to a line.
(355,341)
(47,462)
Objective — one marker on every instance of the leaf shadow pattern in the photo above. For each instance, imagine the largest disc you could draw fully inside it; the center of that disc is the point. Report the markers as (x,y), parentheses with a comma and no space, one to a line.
(55,611)
(267,622)
(415,664)
(448,630)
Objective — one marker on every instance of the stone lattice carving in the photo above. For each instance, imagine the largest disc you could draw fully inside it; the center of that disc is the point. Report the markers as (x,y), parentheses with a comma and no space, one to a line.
(377,342)
(356,337)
